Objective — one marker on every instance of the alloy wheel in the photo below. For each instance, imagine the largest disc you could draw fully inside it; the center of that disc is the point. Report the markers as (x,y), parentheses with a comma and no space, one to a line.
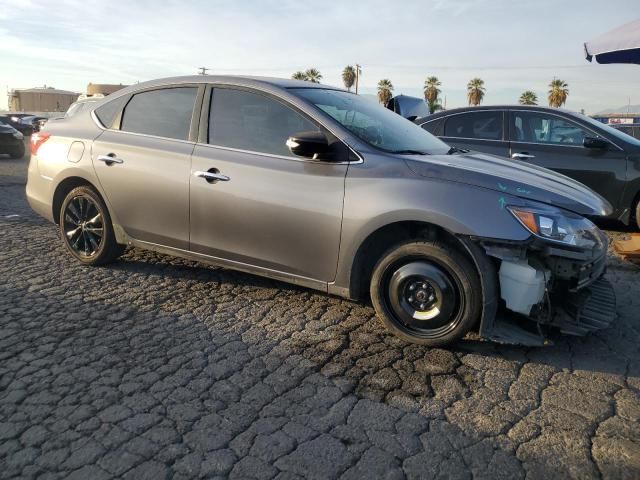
(83,226)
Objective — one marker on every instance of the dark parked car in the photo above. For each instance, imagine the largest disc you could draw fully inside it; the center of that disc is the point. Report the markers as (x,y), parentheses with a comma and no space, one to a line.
(11,141)
(601,157)
(25,129)
(323,188)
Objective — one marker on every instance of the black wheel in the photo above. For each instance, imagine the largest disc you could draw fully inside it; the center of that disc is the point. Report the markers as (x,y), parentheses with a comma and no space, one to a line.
(636,211)
(426,293)
(86,229)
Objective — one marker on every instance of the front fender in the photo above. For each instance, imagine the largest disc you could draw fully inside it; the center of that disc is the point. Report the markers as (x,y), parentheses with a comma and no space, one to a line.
(374,200)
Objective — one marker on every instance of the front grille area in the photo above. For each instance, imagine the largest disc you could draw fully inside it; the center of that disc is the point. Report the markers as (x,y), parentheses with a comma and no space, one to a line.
(590,309)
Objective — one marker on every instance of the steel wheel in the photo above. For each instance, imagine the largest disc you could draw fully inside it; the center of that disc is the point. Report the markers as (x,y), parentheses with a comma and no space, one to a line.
(424,298)
(426,292)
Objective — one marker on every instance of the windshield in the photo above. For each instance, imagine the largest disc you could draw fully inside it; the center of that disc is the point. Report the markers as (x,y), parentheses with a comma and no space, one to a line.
(373,123)
(610,130)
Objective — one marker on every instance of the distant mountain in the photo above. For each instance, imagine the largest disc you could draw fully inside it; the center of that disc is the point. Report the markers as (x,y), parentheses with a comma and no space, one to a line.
(624,109)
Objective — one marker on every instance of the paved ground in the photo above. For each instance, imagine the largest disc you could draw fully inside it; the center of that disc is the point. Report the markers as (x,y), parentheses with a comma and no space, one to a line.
(155,367)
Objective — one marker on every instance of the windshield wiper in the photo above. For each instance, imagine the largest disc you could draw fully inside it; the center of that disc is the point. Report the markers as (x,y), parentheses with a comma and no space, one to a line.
(409,152)
(453,150)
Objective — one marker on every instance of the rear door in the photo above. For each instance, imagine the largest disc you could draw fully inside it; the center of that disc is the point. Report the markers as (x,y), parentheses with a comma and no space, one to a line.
(482,131)
(554,141)
(143,163)
(271,209)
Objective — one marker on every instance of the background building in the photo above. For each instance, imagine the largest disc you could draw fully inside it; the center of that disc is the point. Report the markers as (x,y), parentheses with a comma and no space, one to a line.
(43,99)
(103,88)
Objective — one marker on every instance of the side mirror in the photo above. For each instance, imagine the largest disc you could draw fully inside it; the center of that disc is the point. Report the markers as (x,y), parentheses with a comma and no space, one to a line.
(308,144)
(593,142)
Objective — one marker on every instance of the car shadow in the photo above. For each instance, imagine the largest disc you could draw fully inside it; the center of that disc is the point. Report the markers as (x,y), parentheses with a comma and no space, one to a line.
(605,352)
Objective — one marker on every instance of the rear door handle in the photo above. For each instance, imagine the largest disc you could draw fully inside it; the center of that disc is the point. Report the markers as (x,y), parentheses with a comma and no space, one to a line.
(109,159)
(211,176)
(522,156)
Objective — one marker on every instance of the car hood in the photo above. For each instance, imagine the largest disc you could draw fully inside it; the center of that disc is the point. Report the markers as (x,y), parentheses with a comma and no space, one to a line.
(512,177)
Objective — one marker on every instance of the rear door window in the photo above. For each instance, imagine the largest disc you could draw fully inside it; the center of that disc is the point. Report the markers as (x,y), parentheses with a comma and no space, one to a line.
(164,113)
(483,125)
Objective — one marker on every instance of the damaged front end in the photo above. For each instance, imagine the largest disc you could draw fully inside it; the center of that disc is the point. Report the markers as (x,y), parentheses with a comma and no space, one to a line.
(555,280)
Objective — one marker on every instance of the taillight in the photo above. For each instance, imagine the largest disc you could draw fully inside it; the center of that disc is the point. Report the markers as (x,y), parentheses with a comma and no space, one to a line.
(37,139)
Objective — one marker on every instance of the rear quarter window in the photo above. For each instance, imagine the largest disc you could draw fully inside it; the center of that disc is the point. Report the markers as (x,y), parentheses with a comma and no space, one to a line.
(108,111)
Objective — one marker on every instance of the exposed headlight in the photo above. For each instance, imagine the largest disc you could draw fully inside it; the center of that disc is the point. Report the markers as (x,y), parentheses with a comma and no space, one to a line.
(17,135)
(558,226)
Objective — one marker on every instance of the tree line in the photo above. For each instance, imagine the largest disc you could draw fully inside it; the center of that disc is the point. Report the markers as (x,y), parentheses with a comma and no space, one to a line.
(556,96)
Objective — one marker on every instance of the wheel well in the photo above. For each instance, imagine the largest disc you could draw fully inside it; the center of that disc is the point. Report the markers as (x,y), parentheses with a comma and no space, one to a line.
(378,242)
(63,188)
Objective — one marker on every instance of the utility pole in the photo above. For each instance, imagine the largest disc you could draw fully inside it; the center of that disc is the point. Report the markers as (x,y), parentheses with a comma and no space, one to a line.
(203,70)
(358,72)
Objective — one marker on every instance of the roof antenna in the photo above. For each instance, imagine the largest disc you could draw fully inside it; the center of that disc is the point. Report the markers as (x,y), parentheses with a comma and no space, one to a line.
(203,70)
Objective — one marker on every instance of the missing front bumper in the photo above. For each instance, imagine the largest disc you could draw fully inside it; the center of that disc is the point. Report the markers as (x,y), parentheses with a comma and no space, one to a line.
(588,310)
(591,309)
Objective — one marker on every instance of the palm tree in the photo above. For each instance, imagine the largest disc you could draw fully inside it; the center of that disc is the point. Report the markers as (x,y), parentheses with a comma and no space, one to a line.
(528,98)
(431,93)
(299,75)
(475,91)
(313,75)
(385,89)
(558,92)
(348,77)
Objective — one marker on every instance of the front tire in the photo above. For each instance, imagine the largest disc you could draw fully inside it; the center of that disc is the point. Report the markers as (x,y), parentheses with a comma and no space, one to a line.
(86,229)
(426,293)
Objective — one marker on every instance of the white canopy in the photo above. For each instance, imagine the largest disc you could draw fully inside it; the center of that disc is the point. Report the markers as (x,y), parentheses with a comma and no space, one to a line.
(620,45)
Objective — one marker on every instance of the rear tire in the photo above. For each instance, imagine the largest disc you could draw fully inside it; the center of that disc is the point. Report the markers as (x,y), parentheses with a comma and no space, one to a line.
(86,229)
(636,210)
(426,293)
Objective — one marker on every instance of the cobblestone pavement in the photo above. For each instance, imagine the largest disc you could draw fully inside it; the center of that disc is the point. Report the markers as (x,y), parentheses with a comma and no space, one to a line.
(155,367)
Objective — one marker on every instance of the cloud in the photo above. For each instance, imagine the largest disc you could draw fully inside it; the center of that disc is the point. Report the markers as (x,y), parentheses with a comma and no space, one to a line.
(510,44)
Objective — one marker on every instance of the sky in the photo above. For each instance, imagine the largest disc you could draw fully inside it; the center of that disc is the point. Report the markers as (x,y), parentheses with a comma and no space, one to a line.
(513,45)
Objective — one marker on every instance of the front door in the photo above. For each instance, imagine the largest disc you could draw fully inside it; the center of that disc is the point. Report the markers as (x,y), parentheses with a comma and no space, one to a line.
(553,141)
(255,203)
(144,166)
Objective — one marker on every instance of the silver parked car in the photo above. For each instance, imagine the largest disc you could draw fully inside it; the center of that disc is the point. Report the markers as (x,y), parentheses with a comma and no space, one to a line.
(319,187)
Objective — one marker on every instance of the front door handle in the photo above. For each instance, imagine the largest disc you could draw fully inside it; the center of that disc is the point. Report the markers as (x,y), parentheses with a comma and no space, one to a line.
(522,156)
(212,176)
(109,159)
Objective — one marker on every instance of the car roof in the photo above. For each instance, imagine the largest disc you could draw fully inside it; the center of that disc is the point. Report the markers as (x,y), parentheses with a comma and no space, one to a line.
(240,80)
(479,108)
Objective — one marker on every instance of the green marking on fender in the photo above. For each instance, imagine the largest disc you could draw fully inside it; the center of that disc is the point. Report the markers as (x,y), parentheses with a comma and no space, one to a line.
(502,202)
